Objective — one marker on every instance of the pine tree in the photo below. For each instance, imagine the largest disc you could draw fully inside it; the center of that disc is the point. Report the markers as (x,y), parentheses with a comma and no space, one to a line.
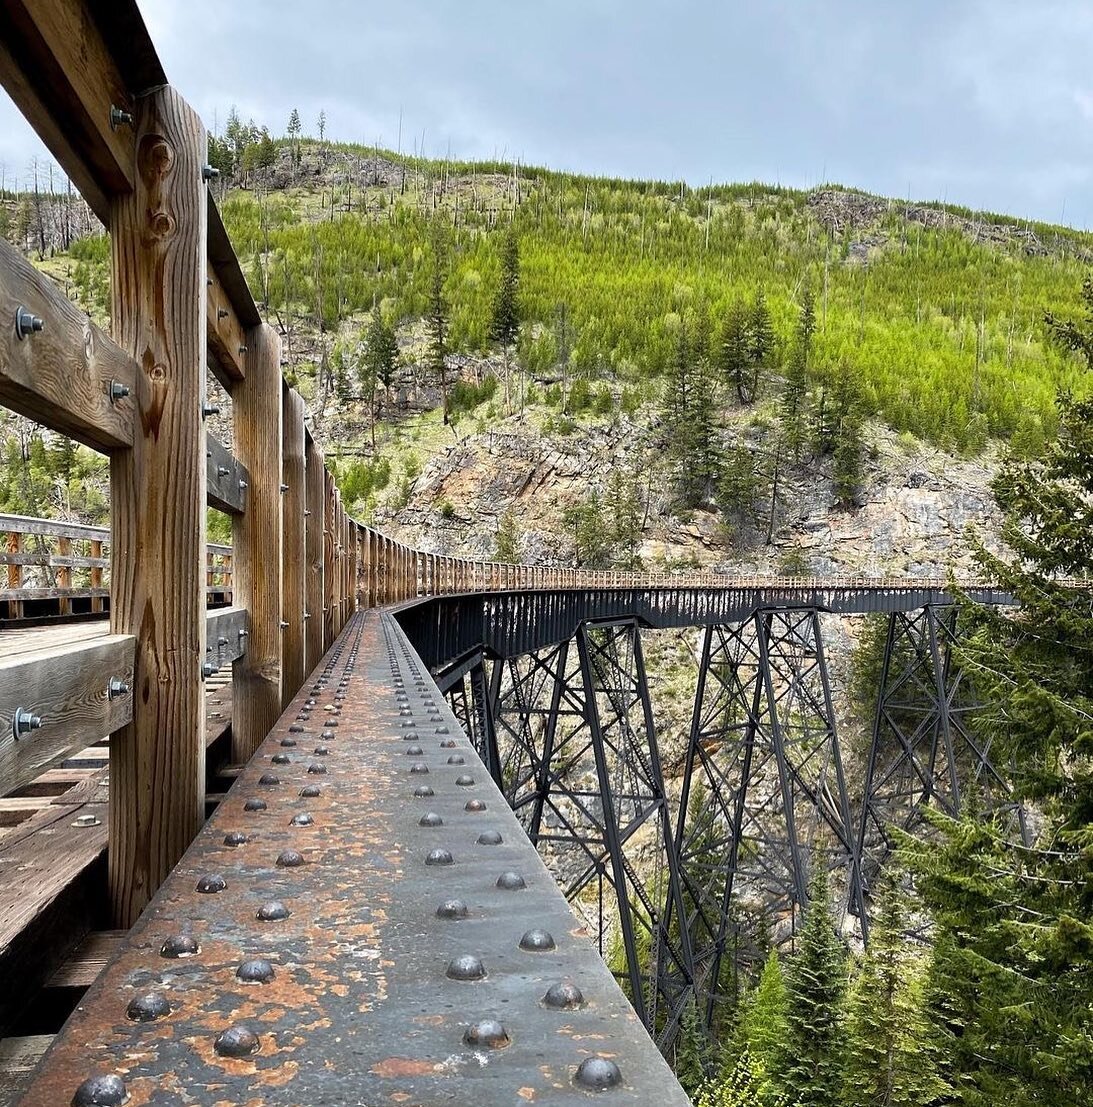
(505,317)
(890,1049)
(436,322)
(378,364)
(1013,950)
(506,548)
(694,1050)
(294,125)
(795,393)
(764,1026)
(738,1086)
(815,983)
(760,345)
(733,354)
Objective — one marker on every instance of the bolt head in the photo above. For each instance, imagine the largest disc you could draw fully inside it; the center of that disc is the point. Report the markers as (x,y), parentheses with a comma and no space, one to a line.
(487,1034)
(537,941)
(511,882)
(563,996)
(474,806)
(100,1091)
(489,838)
(257,971)
(430,818)
(452,909)
(210,885)
(597,1074)
(438,857)
(148,1008)
(179,945)
(467,967)
(254,805)
(289,859)
(464,780)
(236,1041)
(273,911)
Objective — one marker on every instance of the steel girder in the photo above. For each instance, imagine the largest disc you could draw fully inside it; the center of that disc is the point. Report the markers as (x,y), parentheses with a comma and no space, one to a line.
(579,764)
(922,754)
(764,796)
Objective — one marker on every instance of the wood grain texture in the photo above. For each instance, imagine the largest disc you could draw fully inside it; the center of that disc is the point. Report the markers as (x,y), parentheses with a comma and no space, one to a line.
(227,478)
(256,536)
(59,376)
(227,336)
(66,685)
(294,557)
(330,541)
(57,68)
(158,493)
(313,539)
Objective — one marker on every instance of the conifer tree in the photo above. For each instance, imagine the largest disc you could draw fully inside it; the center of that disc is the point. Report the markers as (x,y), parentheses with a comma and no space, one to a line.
(737,1086)
(436,321)
(815,983)
(694,1051)
(507,540)
(890,1049)
(505,317)
(378,364)
(760,345)
(733,354)
(764,1026)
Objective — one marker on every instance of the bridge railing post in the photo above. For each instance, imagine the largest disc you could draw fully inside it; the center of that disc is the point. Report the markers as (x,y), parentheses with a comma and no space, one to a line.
(158,492)
(314,537)
(293,506)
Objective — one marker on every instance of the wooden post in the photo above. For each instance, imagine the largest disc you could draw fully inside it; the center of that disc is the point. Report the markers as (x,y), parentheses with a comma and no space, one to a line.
(313,539)
(329,542)
(294,554)
(15,574)
(257,542)
(157,761)
(95,578)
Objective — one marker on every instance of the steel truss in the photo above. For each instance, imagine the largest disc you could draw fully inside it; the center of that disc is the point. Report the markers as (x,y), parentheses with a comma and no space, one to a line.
(764,796)
(577,759)
(922,754)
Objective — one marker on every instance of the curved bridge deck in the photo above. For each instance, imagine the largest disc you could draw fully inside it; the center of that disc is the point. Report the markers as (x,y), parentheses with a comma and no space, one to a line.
(361,1006)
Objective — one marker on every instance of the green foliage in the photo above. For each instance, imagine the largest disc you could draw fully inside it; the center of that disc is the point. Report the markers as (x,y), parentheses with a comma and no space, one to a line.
(465,395)
(741,490)
(506,546)
(505,317)
(816,980)
(361,481)
(58,480)
(694,1050)
(739,1086)
(891,1055)
(764,1027)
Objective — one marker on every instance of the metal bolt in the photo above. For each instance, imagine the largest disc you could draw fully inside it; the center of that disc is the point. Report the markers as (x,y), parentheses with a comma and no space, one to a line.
(209,172)
(563,996)
(208,410)
(235,838)
(474,806)
(284,487)
(465,780)
(119,117)
(179,945)
(537,941)
(147,1008)
(307,614)
(290,859)
(100,1091)
(221,641)
(242,349)
(222,313)
(452,909)
(115,390)
(269,779)
(310,791)
(423,791)
(258,971)
(273,911)
(242,485)
(489,838)
(236,1041)
(284,625)
(117,687)
(208,669)
(430,818)
(511,882)
(223,470)
(303,819)
(467,967)
(597,1074)
(210,885)
(244,633)
(487,1034)
(457,759)
(87,820)
(26,322)
(24,721)
(254,805)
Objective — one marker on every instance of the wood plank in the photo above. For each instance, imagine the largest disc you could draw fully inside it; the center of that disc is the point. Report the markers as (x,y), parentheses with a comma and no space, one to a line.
(227,336)
(227,635)
(314,550)
(53,528)
(256,404)
(67,687)
(159,502)
(294,553)
(89,958)
(19,1058)
(227,478)
(23,639)
(60,376)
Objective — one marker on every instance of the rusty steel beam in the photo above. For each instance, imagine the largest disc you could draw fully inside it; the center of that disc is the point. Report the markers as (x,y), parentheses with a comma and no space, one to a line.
(361,921)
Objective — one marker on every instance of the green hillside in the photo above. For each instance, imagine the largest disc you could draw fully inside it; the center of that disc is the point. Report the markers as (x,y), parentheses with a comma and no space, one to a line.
(936,312)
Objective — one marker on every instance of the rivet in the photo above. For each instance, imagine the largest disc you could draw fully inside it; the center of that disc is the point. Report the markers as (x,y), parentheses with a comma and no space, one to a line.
(448,744)
(179,945)
(328,735)
(310,791)
(236,1041)
(147,1008)
(438,857)
(321,751)
(474,806)
(288,743)
(452,909)
(281,759)
(422,791)
(537,940)
(430,818)
(289,859)
(269,779)
(273,911)
(303,819)
(487,1034)
(419,767)
(295,728)
(257,971)
(467,967)
(254,805)
(316,769)
(564,996)
(457,759)
(489,838)
(235,838)
(100,1091)
(464,780)
(511,882)
(210,885)
(414,751)
(597,1074)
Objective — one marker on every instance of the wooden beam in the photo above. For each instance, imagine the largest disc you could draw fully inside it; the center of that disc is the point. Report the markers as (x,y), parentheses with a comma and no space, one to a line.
(60,376)
(294,556)
(227,634)
(157,763)
(313,540)
(227,337)
(256,577)
(227,478)
(330,542)
(67,687)
(58,69)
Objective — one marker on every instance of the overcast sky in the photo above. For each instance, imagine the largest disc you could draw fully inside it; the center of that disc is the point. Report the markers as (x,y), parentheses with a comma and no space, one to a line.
(987,103)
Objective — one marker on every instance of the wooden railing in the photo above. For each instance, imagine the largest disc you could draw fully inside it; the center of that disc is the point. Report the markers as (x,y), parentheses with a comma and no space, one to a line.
(88,79)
